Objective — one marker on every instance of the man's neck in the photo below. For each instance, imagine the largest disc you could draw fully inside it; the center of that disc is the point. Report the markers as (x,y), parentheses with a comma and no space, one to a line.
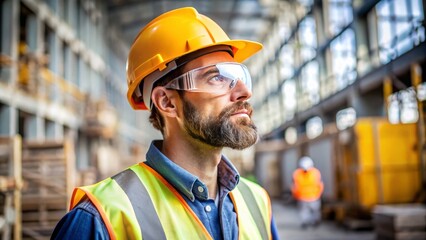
(197,158)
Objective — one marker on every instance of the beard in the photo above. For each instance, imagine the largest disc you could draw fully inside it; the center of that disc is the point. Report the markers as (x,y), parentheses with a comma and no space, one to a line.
(220,131)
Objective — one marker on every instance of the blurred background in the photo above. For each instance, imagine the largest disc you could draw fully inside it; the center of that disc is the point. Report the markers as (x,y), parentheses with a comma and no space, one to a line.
(340,81)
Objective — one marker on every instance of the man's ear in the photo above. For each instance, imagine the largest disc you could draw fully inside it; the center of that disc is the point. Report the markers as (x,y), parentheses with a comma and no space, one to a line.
(164,99)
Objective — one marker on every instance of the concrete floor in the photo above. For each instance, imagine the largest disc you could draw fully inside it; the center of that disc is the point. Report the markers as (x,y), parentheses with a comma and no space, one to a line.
(288,224)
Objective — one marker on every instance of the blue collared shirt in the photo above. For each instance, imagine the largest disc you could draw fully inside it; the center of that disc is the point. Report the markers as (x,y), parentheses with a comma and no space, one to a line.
(219,218)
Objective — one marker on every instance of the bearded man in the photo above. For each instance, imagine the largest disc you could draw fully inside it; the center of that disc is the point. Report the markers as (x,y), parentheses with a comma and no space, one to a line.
(188,73)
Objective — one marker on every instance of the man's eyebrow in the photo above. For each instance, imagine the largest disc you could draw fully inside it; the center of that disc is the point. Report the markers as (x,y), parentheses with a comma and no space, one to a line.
(212,70)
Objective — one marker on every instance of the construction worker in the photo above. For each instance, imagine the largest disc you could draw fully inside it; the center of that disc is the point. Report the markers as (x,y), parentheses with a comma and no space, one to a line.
(183,68)
(307,189)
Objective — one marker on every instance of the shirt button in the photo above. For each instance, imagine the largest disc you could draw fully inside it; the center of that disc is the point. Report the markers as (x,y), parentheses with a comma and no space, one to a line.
(200,189)
(208,208)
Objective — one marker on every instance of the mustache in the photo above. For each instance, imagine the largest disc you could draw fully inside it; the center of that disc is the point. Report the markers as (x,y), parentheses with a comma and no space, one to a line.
(228,111)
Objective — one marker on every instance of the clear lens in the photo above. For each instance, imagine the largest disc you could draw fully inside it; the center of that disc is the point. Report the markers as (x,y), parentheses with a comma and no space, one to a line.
(219,78)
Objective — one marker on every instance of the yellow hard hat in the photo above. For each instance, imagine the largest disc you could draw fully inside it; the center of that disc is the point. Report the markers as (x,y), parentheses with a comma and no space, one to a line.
(167,38)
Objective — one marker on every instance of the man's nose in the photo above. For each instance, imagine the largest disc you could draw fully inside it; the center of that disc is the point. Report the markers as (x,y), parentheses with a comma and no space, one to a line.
(240,92)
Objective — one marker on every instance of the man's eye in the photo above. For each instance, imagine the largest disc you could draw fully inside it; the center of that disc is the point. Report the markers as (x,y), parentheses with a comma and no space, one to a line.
(217,79)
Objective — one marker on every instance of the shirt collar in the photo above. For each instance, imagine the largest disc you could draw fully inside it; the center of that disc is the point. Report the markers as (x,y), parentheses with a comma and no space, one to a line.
(185,182)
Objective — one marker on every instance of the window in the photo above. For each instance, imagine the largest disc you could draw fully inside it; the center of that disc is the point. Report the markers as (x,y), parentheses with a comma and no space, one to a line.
(289,96)
(307,39)
(421,91)
(402,107)
(83,75)
(290,135)
(287,61)
(64,62)
(274,110)
(314,127)
(4,119)
(27,29)
(306,3)
(82,21)
(345,118)
(340,15)
(399,27)
(53,4)
(309,86)
(73,68)
(343,60)
(3,19)
(49,48)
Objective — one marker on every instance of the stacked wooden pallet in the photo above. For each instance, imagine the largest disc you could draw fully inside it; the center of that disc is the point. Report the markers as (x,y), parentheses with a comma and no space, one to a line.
(400,222)
(48,171)
(10,187)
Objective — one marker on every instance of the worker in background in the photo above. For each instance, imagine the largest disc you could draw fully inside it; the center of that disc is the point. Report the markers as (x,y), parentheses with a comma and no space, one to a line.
(307,189)
(183,68)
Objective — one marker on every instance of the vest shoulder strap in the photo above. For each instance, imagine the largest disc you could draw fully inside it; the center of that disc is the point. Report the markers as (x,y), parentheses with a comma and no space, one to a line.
(141,203)
(253,207)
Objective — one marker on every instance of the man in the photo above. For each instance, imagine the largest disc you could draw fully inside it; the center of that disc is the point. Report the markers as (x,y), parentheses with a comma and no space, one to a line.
(187,72)
(307,190)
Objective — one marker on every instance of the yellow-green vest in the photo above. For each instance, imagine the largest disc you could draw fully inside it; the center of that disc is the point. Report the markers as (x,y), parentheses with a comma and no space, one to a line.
(152,209)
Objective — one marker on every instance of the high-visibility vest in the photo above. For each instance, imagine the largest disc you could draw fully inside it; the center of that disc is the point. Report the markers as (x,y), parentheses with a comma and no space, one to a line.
(139,203)
(307,185)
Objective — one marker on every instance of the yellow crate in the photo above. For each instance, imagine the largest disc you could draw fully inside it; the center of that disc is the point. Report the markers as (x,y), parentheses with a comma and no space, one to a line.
(387,162)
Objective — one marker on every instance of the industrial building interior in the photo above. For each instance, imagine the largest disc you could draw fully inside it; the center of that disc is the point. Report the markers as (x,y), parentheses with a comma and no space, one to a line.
(341,81)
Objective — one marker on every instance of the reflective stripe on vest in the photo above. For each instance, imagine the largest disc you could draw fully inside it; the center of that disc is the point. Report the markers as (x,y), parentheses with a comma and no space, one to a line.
(142,204)
(253,209)
(170,219)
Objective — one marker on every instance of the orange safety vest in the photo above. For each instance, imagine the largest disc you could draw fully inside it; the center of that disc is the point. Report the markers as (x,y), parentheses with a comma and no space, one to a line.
(138,203)
(307,185)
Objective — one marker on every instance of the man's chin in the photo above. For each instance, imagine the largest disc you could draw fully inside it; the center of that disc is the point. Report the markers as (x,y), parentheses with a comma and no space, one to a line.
(248,139)
(241,146)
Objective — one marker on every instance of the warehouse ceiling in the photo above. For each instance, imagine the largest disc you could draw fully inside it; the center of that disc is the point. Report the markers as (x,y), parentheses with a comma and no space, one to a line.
(241,19)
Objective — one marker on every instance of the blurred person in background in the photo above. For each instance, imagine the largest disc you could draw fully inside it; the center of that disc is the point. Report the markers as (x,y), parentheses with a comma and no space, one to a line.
(184,69)
(307,189)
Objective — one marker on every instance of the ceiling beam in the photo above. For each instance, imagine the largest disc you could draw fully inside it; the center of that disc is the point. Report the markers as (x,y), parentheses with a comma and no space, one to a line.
(129,16)
(140,22)
(126,5)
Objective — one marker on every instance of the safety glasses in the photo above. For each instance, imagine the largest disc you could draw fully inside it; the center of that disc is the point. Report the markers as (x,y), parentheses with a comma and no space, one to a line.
(218,78)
